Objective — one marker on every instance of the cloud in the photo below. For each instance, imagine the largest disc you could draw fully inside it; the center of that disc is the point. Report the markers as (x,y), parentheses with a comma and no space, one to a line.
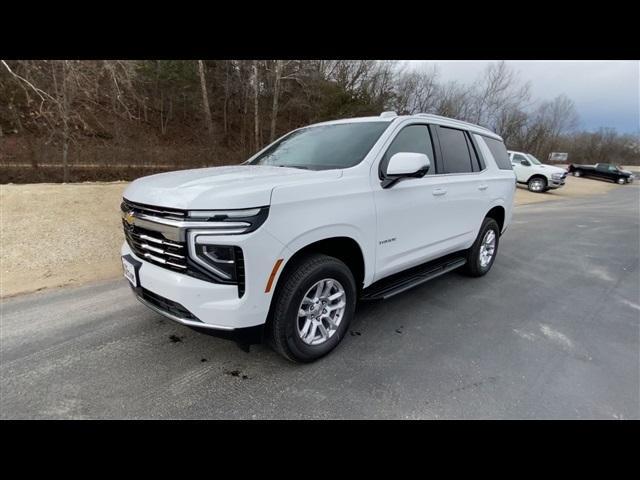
(606,93)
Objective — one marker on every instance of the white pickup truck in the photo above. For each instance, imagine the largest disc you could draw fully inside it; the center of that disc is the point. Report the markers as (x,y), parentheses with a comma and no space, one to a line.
(286,243)
(532,172)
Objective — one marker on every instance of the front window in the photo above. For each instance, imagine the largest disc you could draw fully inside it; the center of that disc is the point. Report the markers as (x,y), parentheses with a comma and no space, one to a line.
(533,159)
(323,147)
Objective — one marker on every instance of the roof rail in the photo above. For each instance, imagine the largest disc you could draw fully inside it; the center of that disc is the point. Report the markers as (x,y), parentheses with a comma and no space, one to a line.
(389,114)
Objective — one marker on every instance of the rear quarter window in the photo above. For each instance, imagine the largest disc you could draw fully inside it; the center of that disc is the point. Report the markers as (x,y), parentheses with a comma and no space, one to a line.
(499,152)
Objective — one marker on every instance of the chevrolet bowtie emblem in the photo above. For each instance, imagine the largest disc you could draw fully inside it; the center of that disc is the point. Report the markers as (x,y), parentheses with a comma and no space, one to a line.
(128,217)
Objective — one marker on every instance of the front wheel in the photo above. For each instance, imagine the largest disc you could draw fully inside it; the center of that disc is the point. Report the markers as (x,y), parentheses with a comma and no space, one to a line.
(577,173)
(482,254)
(313,308)
(537,185)
(621,181)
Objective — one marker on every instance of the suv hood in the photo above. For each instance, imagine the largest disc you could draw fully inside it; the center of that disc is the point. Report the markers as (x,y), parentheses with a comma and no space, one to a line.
(551,168)
(238,186)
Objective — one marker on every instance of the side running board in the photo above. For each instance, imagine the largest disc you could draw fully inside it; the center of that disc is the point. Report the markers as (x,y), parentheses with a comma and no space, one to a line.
(403,281)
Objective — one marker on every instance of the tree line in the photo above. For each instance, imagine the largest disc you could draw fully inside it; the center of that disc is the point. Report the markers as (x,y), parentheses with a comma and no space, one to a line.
(204,112)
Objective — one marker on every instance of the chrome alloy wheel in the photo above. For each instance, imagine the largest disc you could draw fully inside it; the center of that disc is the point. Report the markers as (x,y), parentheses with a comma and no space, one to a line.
(321,311)
(536,185)
(488,248)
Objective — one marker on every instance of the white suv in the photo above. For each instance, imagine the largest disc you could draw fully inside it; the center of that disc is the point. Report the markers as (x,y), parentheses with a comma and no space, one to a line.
(538,177)
(287,242)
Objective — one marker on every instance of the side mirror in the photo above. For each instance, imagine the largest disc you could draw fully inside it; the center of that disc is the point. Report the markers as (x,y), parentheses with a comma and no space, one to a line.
(406,164)
(525,163)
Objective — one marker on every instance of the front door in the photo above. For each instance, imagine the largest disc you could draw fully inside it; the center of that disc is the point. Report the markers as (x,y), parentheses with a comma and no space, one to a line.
(522,171)
(420,219)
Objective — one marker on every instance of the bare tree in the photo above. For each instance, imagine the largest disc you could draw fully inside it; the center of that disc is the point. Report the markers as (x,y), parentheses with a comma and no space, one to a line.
(497,89)
(453,100)
(205,99)
(256,112)
(277,73)
(415,91)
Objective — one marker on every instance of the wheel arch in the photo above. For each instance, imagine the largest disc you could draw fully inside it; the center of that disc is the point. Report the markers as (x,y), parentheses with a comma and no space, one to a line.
(343,247)
(498,213)
(538,175)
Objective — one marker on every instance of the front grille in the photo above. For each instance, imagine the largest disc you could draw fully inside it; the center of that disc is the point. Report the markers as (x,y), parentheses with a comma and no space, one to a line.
(166,305)
(155,248)
(162,212)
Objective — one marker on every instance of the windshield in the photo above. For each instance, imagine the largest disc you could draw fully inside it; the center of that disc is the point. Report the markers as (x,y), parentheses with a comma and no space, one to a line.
(533,159)
(323,147)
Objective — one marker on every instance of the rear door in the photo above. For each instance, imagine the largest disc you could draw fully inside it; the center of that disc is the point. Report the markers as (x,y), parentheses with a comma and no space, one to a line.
(468,186)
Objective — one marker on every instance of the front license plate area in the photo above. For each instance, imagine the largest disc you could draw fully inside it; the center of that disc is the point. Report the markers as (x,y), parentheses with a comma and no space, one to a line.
(131,269)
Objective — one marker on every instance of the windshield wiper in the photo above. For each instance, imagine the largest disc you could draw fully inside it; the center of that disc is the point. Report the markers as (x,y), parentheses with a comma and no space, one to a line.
(294,166)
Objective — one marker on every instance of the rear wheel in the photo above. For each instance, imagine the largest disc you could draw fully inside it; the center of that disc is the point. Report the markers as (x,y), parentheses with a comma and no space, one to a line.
(313,308)
(482,254)
(537,184)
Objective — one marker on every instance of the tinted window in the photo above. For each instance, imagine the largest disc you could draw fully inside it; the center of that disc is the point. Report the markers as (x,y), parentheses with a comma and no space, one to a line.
(455,150)
(324,147)
(499,152)
(413,139)
(518,158)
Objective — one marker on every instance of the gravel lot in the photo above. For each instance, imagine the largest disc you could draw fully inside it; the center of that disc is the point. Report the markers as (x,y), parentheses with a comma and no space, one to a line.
(56,235)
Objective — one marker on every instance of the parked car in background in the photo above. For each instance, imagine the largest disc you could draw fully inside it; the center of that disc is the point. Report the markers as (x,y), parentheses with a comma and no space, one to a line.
(363,208)
(605,171)
(537,176)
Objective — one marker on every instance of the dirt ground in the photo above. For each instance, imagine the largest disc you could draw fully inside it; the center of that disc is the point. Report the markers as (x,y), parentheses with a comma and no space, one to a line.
(574,187)
(54,235)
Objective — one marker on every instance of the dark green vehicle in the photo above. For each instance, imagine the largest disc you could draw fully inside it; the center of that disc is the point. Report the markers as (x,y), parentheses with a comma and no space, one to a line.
(605,171)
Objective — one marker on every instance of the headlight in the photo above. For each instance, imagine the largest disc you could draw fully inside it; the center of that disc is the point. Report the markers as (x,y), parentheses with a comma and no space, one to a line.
(225,263)
(227,222)
(557,176)
(219,259)
(221,214)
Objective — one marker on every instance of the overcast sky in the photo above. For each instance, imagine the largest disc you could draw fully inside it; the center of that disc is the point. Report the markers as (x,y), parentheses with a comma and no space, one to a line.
(606,93)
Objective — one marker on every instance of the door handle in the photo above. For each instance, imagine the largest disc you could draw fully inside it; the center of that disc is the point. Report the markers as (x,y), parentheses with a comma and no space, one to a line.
(439,191)
(483,187)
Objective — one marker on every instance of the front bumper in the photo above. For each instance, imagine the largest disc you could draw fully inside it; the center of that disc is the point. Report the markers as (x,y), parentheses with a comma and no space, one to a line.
(556,183)
(206,305)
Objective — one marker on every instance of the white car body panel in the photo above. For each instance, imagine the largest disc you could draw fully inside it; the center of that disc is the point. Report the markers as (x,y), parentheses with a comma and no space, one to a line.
(306,206)
(524,173)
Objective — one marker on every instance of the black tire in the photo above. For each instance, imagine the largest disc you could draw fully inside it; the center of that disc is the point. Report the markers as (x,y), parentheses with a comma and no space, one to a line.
(473,268)
(300,278)
(621,181)
(577,173)
(537,184)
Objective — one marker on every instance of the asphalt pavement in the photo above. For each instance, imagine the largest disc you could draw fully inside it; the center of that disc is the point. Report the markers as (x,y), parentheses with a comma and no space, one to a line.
(553,331)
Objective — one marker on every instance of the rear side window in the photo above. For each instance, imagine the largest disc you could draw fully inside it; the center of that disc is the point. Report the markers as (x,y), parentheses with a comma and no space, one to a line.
(499,152)
(413,139)
(455,150)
